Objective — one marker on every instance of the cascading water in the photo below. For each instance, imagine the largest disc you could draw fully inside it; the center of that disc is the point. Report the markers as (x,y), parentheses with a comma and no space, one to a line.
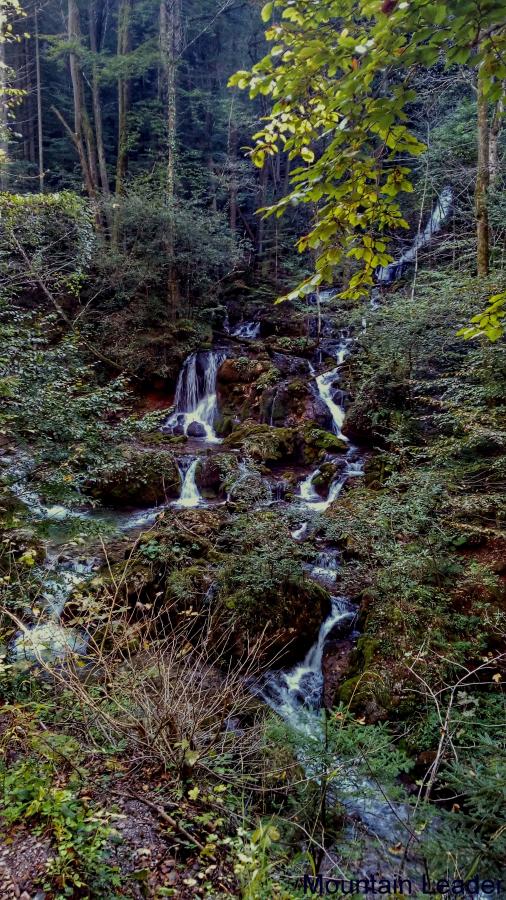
(326,567)
(325,384)
(48,639)
(291,693)
(190,496)
(308,494)
(249,330)
(196,401)
(394,270)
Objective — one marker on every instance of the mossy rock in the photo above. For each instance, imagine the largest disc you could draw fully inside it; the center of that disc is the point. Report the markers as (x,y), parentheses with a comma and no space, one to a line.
(318,442)
(248,488)
(283,617)
(214,474)
(264,443)
(139,479)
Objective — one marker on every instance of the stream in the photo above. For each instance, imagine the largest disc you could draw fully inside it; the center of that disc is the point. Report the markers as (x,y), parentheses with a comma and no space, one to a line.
(294,694)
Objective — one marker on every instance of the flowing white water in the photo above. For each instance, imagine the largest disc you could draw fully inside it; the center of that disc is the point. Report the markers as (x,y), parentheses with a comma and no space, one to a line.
(249,330)
(196,401)
(48,639)
(307,492)
(439,215)
(326,567)
(291,693)
(190,495)
(327,391)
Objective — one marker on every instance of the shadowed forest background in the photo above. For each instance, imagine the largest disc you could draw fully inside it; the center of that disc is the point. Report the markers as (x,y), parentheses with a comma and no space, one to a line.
(252,446)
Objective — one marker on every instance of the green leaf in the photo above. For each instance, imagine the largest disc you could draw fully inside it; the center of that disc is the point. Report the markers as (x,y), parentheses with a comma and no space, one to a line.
(267,11)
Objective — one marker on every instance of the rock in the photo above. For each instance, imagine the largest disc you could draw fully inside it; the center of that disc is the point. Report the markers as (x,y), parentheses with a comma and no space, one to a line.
(248,488)
(214,474)
(263,443)
(141,478)
(317,442)
(290,365)
(195,429)
(284,617)
(335,667)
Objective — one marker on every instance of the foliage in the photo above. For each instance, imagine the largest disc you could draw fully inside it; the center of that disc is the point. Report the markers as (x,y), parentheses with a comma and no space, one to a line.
(489,322)
(53,405)
(339,76)
(33,793)
(54,232)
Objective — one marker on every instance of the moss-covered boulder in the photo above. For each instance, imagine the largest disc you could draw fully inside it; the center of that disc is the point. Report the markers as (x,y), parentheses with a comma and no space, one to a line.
(316,443)
(247,487)
(264,443)
(214,474)
(280,615)
(138,478)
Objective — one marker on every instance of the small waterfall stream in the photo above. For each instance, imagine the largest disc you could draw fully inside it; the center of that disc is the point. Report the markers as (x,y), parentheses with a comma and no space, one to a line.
(249,330)
(395,270)
(190,496)
(293,692)
(196,404)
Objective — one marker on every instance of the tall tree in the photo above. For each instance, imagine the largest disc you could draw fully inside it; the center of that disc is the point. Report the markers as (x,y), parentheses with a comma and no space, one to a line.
(171,45)
(123,48)
(483,179)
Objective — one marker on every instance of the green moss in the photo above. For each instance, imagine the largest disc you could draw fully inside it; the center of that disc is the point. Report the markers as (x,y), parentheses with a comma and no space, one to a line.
(141,478)
(263,442)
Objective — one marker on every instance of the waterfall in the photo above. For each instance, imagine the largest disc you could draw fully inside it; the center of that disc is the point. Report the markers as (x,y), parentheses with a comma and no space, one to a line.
(196,401)
(291,692)
(326,567)
(326,391)
(354,468)
(249,330)
(388,274)
(47,639)
(190,495)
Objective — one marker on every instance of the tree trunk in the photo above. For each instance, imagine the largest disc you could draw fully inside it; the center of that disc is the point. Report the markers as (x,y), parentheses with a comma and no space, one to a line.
(483,182)
(97,104)
(40,131)
(495,132)
(232,163)
(74,35)
(123,48)
(3,108)
(171,42)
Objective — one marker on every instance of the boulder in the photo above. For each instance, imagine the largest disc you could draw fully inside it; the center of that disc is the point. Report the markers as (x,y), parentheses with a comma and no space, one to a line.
(263,443)
(140,478)
(290,365)
(196,429)
(214,473)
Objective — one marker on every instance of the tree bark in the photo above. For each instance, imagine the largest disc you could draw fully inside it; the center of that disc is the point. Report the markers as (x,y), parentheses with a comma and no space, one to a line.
(3,107)
(483,182)
(495,132)
(171,41)
(97,103)
(123,48)
(38,81)
(87,168)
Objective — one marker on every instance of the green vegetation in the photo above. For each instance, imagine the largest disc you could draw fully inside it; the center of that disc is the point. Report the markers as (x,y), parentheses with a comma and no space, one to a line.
(228,663)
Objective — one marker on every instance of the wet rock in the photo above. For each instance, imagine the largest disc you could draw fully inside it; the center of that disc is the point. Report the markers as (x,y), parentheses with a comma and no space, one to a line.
(336,665)
(195,429)
(214,473)
(263,443)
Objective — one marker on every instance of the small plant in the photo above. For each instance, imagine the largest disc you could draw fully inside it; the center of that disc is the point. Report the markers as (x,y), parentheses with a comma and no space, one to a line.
(33,793)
